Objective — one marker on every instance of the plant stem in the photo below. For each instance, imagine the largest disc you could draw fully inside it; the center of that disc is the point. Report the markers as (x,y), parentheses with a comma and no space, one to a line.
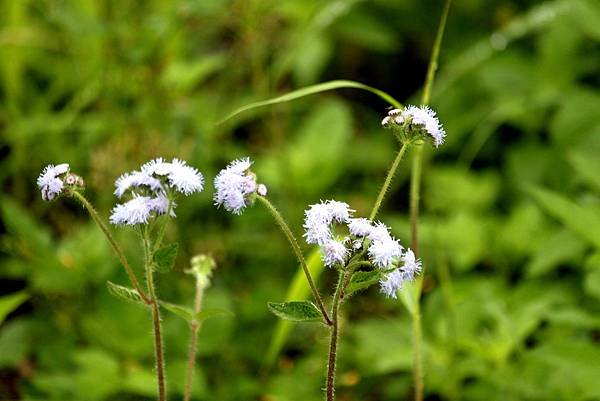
(113,243)
(388,180)
(418,353)
(333,342)
(194,328)
(294,243)
(415,186)
(158,343)
(163,227)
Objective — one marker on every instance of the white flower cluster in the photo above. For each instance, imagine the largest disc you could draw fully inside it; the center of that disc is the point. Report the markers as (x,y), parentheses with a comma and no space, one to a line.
(150,188)
(235,185)
(49,181)
(384,251)
(422,117)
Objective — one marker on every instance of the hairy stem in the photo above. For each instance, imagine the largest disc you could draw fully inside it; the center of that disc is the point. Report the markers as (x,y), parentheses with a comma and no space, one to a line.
(156,320)
(415,187)
(418,353)
(333,342)
(163,227)
(294,243)
(388,180)
(194,328)
(113,243)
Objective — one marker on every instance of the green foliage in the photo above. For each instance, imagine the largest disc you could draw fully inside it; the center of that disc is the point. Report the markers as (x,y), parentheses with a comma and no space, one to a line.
(9,303)
(509,212)
(296,311)
(362,280)
(188,314)
(164,258)
(124,293)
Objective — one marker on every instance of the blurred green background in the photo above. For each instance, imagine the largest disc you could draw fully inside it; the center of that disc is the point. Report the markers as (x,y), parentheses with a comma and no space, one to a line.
(511,203)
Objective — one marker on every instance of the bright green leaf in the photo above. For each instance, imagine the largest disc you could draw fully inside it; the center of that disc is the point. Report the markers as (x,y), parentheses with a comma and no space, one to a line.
(9,303)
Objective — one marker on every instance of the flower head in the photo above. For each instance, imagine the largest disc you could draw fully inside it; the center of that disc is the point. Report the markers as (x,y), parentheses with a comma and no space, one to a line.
(384,249)
(235,184)
(426,118)
(412,266)
(49,182)
(319,217)
(185,179)
(360,227)
(135,211)
(391,284)
(334,252)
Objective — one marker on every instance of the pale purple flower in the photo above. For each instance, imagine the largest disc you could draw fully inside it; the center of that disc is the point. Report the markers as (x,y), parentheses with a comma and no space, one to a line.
(319,217)
(234,185)
(360,227)
(384,249)
(135,179)
(334,252)
(391,283)
(412,265)
(136,211)
(262,189)
(427,119)
(185,179)
(49,182)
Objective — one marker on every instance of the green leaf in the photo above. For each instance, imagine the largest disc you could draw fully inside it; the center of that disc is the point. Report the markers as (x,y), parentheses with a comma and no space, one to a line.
(184,312)
(361,280)
(298,289)
(187,313)
(164,258)
(125,293)
(311,90)
(296,311)
(587,166)
(9,303)
(583,220)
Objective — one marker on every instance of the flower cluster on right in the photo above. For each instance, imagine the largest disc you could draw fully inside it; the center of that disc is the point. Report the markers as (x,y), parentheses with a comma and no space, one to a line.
(382,250)
(416,121)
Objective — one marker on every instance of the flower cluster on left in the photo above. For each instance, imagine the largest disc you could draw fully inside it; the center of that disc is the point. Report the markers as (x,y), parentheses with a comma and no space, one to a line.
(152,190)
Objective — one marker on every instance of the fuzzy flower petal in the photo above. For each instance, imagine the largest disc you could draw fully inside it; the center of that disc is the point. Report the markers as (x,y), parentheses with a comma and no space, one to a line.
(426,117)
(185,179)
(136,211)
(135,179)
(49,183)
(412,266)
(360,227)
(234,185)
(334,252)
(391,284)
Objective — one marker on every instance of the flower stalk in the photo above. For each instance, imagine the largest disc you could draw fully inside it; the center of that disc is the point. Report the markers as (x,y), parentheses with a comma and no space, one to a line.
(294,244)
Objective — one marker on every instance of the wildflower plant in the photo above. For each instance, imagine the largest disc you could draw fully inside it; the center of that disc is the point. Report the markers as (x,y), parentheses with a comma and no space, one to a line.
(148,199)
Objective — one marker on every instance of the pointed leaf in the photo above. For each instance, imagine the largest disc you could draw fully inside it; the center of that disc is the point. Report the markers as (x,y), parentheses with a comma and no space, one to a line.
(125,293)
(311,90)
(296,311)
(164,258)
(183,312)
(213,312)
(361,280)
(9,303)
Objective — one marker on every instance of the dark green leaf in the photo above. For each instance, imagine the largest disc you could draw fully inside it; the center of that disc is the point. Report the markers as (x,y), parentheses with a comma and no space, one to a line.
(164,258)
(361,280)
(125,293)
(296,311)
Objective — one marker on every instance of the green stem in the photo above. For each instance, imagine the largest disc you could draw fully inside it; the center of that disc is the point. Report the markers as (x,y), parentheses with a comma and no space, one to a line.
(163,227)
(388,180)
(415,187)
(415,190)
(194,328)
(158,343)
(113,243)
(333,342)
(418,353)
(294,243)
